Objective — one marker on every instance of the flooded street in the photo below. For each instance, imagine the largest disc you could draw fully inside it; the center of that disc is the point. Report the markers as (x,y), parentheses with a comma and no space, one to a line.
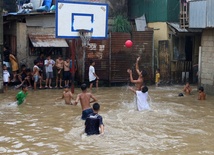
(42,125)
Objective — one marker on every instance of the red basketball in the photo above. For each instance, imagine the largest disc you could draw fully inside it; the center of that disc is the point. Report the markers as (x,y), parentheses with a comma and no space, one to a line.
(128,43)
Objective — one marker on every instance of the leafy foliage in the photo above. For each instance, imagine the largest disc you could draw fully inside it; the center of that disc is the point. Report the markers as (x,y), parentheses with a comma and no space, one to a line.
(121,24)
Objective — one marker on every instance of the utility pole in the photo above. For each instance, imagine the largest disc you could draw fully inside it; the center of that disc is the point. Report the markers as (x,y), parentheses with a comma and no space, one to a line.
(1,45)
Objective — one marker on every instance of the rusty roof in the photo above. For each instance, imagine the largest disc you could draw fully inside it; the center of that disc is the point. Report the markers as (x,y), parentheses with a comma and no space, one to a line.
(47,41)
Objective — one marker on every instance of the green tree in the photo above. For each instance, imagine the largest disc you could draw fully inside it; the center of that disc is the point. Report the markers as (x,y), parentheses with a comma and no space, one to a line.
(121,24)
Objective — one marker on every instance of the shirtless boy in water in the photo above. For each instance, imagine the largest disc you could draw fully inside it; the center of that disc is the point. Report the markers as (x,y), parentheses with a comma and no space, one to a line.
(187,89)
(85,100)
(139,82)
(201,94)
(67,96)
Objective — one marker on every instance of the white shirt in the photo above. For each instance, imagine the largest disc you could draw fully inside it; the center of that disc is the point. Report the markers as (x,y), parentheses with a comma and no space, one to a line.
(6,76)
(49,68)
(91,73)
(142,103)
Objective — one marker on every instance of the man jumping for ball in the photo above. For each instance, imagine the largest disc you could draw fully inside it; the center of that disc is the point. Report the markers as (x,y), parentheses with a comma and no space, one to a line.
(139,82)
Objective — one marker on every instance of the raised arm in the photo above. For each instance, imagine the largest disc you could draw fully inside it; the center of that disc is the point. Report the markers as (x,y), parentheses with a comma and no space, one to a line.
(137,66)
(131,77)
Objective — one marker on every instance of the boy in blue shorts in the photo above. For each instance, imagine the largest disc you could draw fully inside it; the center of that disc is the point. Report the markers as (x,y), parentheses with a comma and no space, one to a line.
(85,100)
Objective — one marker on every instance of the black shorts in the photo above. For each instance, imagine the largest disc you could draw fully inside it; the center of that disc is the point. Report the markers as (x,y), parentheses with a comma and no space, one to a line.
(94,81)
(5,83)
(67,75)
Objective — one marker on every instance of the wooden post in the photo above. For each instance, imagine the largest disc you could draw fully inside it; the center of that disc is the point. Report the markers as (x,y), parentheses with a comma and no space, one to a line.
(83,64)
(72,50)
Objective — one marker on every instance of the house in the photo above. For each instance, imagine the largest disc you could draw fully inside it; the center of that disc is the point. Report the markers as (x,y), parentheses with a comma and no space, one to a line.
(176,48)
(201,14)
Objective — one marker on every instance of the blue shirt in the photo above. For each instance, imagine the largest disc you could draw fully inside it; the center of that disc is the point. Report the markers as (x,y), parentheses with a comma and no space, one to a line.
(92,124)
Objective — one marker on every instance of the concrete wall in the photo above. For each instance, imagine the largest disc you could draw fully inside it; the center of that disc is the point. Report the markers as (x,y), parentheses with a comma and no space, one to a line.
(160,32)
(207,62)
(23,42)
(22,47)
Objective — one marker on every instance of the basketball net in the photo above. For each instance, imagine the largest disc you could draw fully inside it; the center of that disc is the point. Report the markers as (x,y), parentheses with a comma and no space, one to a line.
(85,36)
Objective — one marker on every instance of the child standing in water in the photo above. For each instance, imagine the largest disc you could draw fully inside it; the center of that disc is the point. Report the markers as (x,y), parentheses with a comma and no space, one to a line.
(141,74)
(201,94)
(67,96)
(85,100)
(21,96)
(94,122)
(93,78)
(6,77)
(187,89)
(157,77)
(142,96)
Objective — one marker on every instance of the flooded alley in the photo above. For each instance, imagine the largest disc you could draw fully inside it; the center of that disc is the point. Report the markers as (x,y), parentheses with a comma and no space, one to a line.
(42,125)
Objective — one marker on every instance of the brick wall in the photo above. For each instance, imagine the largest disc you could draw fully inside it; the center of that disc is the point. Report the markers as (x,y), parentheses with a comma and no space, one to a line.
(207,61)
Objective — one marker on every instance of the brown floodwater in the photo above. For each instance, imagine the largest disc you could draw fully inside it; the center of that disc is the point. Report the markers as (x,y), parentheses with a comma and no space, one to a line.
(174,125)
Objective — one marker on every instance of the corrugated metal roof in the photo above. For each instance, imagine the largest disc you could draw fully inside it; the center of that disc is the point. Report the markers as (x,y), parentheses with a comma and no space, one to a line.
(197,14)
(210,13)
(176,26)
(47,41)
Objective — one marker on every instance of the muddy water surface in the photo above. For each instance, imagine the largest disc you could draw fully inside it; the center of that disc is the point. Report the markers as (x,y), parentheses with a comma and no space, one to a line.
(42,125)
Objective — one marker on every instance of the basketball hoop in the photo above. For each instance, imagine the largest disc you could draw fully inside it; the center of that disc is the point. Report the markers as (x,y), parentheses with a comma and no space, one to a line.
(85,36)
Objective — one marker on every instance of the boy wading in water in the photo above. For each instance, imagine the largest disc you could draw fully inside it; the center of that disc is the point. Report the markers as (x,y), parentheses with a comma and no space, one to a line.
(93,78)
(94,122)
(201,94)
(139,82)
(142,97)
(187,89)
(21,96)
(85,100)
(67,96)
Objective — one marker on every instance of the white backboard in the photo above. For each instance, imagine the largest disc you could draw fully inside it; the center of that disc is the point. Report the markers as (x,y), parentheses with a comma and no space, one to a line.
(73,16)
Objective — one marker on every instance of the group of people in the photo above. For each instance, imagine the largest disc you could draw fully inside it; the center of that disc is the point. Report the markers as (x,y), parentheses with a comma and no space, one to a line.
(93,121)
(187,90)
(42,70)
